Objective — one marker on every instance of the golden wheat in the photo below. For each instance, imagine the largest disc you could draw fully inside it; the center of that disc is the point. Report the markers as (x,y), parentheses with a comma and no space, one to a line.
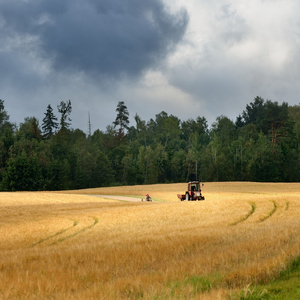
(74,246)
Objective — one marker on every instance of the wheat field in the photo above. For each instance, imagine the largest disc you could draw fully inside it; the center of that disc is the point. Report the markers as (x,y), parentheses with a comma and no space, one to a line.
(73,245)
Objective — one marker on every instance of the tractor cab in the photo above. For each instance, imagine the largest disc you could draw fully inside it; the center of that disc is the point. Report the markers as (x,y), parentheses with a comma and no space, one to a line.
(194,191)
(194,186)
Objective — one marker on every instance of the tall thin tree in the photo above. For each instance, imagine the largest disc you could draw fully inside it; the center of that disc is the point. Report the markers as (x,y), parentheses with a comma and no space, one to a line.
(65,109)
(49,123)
(122,119)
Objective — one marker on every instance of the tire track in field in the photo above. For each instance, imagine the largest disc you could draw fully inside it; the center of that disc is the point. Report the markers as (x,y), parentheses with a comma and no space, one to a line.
(259,219)
(270,214)
(287,205)
(250,213)
(55,234)
(96,220)
(59,236)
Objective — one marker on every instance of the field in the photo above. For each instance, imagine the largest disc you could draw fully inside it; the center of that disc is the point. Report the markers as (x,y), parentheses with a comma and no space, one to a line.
(74,245)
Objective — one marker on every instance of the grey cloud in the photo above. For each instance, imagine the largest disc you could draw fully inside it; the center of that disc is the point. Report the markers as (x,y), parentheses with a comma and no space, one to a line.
(218,88)
(101,38)
(234,27)
(238,61)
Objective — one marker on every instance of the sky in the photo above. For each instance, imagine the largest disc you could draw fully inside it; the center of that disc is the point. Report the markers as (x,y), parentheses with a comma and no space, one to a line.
(191,58)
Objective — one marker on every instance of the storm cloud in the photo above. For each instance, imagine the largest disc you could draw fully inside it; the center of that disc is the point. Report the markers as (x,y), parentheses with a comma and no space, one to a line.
(100,38)
(188,58)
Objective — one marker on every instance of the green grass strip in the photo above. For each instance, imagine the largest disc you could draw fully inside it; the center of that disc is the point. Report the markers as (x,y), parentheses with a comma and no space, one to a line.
(196,284)
(286,286)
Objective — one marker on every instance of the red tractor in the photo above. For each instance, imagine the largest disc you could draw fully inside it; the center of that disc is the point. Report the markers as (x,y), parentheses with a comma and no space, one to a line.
(193,193)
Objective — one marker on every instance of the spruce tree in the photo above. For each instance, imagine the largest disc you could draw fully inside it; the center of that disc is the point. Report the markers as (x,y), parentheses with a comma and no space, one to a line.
(49,123)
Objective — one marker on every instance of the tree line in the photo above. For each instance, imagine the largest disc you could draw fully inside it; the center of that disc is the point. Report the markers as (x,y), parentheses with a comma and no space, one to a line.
(261,145)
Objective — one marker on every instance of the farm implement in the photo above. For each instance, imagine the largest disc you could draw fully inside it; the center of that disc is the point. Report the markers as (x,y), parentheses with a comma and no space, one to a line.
(148,198)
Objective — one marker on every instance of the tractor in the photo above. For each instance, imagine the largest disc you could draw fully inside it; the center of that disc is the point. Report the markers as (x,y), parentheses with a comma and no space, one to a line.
(193,192)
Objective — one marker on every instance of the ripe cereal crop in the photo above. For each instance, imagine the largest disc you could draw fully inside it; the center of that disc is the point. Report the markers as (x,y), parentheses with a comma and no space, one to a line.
(83,245)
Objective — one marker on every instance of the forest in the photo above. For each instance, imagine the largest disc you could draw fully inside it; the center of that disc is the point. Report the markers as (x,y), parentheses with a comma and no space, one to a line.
(262,145)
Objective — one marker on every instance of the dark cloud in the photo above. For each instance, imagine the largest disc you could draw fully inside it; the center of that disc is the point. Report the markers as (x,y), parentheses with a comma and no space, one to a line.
(99,37)
(214,59)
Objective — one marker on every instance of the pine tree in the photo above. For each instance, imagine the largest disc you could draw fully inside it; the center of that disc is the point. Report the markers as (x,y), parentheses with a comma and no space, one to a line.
(49,123)
(65,109)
